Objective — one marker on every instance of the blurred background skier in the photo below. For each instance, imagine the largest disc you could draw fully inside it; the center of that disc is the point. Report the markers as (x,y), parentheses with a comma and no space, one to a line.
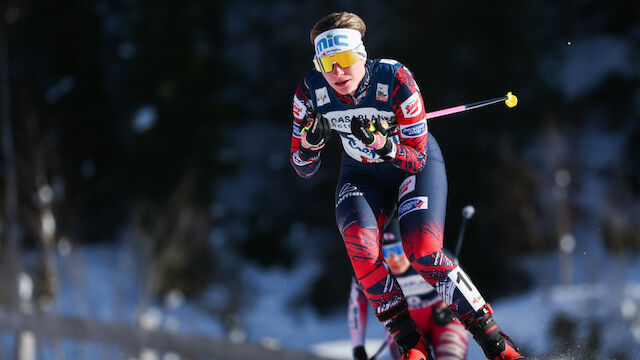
(445,334)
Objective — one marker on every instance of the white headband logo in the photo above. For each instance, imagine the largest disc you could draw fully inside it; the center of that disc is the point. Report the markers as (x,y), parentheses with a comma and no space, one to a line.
(337,40)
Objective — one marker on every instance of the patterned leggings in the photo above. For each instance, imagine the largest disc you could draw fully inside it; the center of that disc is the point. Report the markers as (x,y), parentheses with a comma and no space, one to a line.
(367,196)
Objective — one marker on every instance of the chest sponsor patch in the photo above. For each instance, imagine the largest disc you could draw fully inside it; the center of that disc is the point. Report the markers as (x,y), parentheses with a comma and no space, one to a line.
(414,130)
(340,121)
(407,186)
(299,109)
(322,96)
(413,204)
(382,92)
(412,106)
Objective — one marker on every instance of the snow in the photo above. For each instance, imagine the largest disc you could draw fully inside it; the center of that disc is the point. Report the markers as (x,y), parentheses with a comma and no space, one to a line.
(527,318)
(610,298)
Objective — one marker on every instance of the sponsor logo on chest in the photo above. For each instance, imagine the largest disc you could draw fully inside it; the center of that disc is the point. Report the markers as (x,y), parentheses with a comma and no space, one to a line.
(340,120)
(382,92)
(322,96)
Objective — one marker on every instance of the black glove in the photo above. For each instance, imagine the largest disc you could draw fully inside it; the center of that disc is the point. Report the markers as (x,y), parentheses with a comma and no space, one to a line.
(441,314)
(314,134)
(359,353)
(374,135)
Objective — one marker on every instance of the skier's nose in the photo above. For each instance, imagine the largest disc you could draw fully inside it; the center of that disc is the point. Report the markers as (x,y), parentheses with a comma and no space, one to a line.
(337,69)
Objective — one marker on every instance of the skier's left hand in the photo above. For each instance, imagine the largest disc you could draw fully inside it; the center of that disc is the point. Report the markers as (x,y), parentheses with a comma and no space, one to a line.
(441,314)
(374,135)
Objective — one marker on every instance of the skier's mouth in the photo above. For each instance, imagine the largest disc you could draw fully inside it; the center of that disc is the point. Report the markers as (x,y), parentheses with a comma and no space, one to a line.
(342,83)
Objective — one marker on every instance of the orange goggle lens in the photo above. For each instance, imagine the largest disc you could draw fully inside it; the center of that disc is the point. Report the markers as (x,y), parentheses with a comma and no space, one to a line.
(345,59)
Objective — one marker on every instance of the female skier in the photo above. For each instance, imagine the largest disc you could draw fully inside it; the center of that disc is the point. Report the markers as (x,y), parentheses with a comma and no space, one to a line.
(390,160)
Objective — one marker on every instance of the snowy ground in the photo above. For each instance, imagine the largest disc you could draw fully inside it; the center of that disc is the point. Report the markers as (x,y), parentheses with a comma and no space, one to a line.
(527,318)
(100,292)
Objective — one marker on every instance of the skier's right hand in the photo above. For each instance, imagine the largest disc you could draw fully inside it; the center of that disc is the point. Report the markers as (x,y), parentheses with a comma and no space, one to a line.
(373,134)
(359,353)
(314,134)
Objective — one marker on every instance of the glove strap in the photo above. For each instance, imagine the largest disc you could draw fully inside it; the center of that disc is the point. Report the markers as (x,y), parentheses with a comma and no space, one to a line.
(308,146)
(379,141)
(303,138)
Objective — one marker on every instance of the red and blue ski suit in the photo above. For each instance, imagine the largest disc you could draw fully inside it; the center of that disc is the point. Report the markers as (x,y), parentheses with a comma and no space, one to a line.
(447,336)
(370,189)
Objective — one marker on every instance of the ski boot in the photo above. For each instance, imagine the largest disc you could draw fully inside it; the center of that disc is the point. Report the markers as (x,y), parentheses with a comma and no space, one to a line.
(495,344)
(418,352)
(411,343)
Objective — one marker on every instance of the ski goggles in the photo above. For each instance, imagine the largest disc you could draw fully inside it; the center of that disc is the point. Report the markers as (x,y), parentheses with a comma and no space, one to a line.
(395,248)
(345,59)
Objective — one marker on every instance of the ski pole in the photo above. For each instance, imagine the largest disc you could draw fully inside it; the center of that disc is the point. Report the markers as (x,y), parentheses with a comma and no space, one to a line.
(509,99)
(467,213)
(375,355)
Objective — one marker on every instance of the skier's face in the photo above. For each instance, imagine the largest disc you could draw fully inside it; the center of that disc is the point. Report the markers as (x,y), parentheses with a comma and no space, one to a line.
(398,264)
(346,80)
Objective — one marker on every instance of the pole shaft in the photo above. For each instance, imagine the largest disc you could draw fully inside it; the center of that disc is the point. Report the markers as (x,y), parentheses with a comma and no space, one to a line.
(463,225)
(461,108)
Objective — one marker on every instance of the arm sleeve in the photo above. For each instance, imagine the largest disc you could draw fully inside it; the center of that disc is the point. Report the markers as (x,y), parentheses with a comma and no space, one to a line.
(357,314)
(408,107)
(303,164)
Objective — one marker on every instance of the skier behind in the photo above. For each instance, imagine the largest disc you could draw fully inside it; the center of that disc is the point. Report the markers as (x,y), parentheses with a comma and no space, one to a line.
(359,98)
(440,328)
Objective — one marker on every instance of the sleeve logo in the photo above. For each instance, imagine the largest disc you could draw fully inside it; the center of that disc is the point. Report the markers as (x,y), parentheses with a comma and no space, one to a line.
(412,106)
(299,109)
(413,204)
(296,130)
(414,130)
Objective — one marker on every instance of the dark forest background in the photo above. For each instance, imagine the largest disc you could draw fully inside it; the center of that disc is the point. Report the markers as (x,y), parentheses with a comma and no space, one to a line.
(172,120)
